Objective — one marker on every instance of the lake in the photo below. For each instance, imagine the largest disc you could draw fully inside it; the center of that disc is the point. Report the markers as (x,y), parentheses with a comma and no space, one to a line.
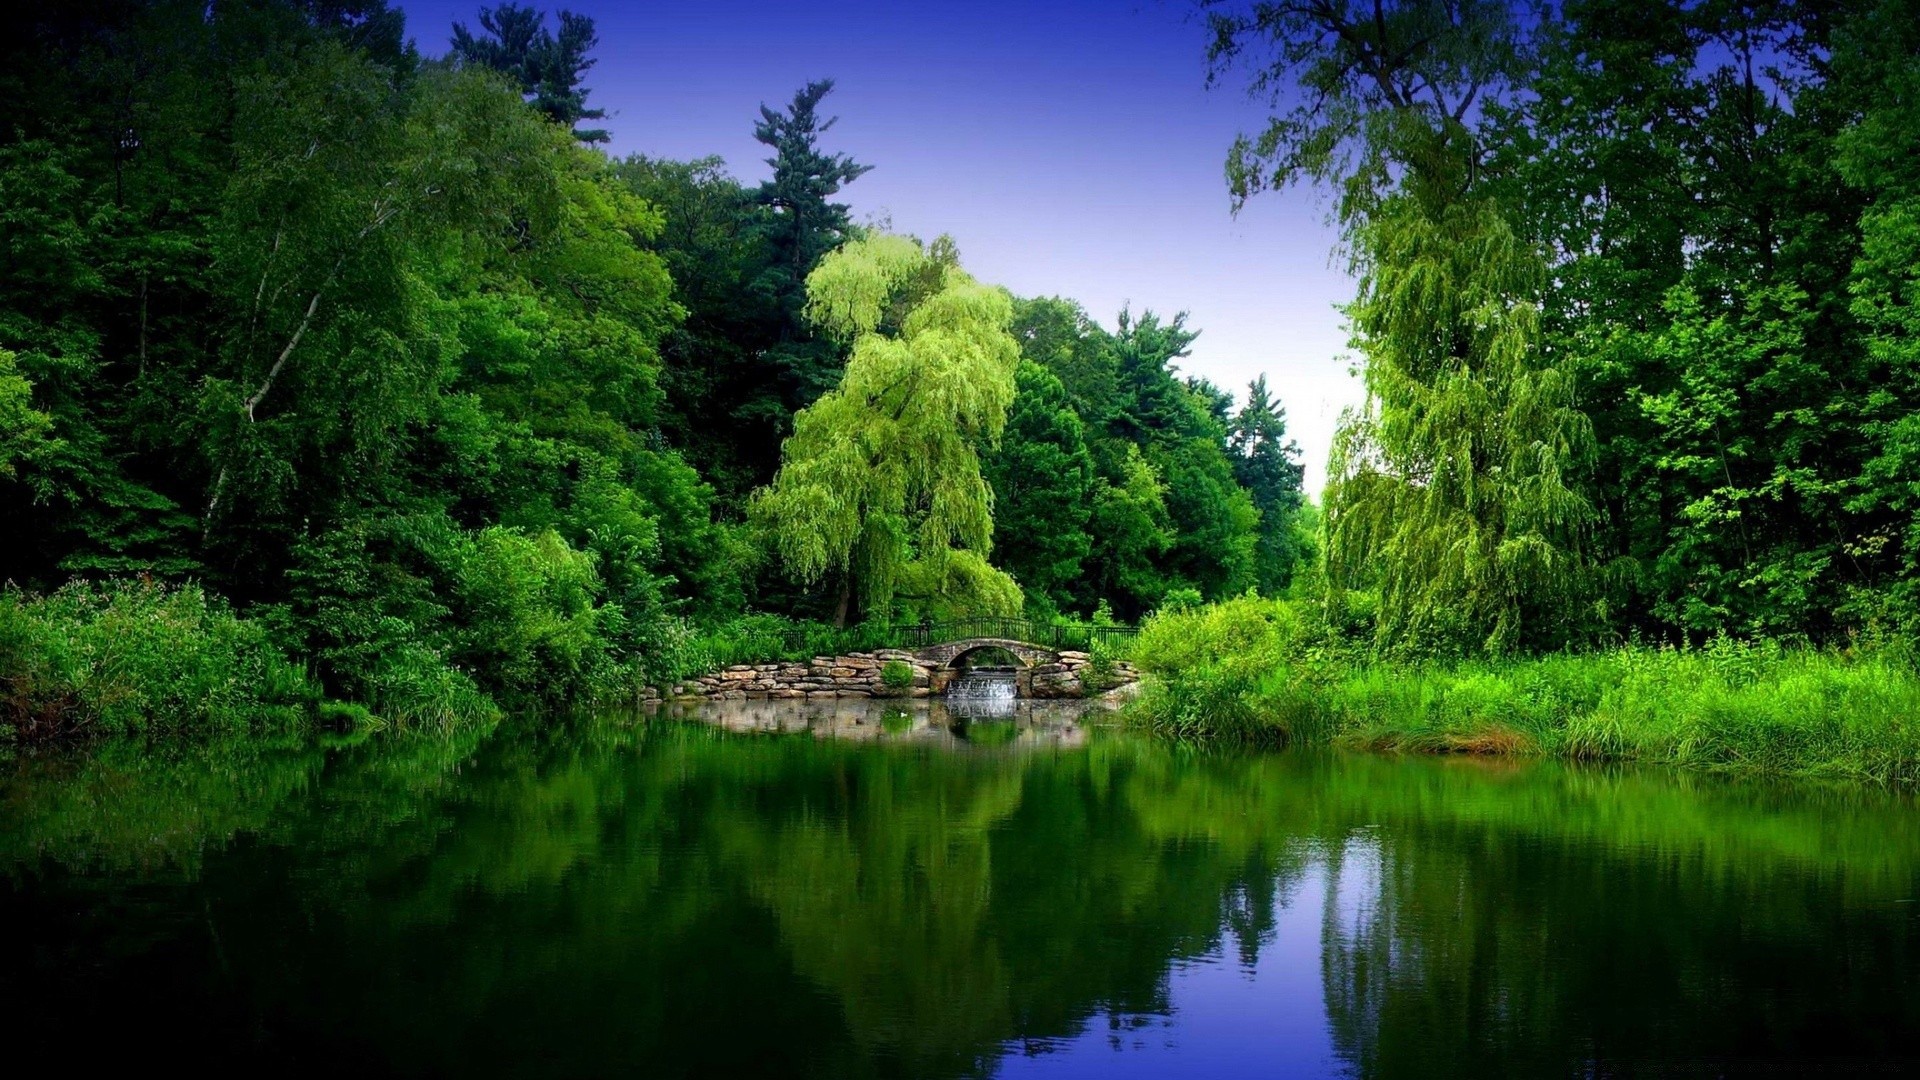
(855,889)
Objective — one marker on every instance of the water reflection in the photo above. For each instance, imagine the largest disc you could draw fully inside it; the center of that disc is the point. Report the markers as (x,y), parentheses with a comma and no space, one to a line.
(926,895)
(953,723)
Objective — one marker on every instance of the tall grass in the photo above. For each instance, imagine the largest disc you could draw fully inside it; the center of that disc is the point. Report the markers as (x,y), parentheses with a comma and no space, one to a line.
(1251,670)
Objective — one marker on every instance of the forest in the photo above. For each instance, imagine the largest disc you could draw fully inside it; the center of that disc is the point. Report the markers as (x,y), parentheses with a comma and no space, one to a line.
(340,376)
(340,379)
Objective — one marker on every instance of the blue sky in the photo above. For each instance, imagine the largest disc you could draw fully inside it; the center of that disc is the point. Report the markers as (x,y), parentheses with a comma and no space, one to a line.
(1070,148)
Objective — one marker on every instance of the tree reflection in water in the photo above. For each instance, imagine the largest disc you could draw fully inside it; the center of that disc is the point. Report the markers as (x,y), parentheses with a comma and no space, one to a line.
(1040,895)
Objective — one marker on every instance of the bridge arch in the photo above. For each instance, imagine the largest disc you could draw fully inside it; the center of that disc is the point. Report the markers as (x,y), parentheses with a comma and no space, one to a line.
(948,654)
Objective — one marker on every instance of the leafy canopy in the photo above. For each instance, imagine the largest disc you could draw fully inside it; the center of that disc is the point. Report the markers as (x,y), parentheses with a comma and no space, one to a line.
(880,481)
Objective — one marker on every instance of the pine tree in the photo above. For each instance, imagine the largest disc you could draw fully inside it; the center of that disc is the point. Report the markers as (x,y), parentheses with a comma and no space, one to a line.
(547,67)
(806,224)
(1267,464)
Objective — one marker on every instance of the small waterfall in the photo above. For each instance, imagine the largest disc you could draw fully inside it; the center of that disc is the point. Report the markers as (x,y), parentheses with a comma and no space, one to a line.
(982,692)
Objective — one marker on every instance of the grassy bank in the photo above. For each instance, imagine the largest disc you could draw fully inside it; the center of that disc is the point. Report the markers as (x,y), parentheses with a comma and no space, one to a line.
(1257,671)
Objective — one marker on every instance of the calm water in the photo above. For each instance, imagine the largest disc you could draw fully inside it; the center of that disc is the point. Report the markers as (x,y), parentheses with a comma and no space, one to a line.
(848,893)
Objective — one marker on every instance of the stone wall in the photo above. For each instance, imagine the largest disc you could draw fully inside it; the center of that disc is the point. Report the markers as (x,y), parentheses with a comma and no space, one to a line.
(857,675)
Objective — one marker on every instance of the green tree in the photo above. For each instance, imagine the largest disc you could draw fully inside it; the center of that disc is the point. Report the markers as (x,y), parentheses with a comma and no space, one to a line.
(23,429)
(1874,81)
(1267,464)
(880,482)
(806,224)
(1458,486)
(1043,482)
(722,401)
(1131,535)
(547,67)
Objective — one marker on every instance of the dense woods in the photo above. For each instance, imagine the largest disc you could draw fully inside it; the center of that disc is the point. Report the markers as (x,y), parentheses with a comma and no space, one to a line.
(1636,316)
(1636,309)
(380,354)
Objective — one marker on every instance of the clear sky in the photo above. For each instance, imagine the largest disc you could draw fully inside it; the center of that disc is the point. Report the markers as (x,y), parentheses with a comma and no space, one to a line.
(1070,148)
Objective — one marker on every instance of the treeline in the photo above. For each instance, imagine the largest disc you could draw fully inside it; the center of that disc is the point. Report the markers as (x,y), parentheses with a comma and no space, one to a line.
(383,350)
(1637,309)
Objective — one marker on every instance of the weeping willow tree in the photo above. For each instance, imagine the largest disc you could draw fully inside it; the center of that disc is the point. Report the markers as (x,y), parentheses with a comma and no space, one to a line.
(879,484)
(1455,490)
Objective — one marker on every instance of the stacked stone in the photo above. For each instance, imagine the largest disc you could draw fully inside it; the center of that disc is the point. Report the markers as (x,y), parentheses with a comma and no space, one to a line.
(1063,680)
(855,675)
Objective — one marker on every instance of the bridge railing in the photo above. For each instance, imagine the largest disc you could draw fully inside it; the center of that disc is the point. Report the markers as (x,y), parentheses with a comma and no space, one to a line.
(922,634)
(1049,634)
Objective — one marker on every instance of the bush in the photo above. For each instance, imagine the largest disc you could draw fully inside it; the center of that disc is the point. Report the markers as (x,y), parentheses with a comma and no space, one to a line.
(130,657)
(896,675)
(1102,670)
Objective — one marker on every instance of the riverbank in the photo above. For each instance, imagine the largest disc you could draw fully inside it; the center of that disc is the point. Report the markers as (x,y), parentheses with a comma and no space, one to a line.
(1248,671)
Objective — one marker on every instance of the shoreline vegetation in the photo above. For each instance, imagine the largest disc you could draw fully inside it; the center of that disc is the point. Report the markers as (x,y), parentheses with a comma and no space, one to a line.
(1277,672)
(347,385)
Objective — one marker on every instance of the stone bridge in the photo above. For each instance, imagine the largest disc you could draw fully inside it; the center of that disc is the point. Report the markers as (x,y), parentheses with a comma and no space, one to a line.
(1044,673)
(946,654)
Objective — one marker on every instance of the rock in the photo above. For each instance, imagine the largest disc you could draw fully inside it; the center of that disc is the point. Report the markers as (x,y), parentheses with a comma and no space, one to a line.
(823,694)
(922,691)
(738,674)
(1043,670)
(856,693)
(820,670)
(797,671)
(840,672)
(786,695)
(1070,654)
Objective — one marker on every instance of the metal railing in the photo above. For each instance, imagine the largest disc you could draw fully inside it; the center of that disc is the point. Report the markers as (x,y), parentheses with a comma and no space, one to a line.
(1051,635)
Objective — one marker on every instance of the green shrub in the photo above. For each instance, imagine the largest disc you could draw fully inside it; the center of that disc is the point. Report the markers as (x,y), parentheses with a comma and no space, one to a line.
(1102,670)
(687,651)
(1184,598)
(130,657)
(896,675)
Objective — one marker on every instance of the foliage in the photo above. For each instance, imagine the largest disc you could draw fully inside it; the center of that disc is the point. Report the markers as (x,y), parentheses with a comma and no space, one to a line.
(803,225)
(23,429)
(547,67)
(896,675)
(1042,478)
(691,651)
(1458,486)
(880,483)
(1267,464)
(1260,670)
(135,658)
